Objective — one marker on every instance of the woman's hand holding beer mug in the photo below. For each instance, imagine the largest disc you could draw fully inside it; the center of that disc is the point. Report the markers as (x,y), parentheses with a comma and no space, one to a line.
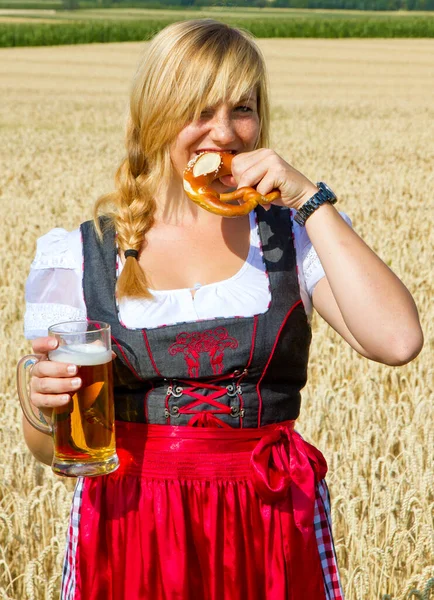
(71,385)
(52,383)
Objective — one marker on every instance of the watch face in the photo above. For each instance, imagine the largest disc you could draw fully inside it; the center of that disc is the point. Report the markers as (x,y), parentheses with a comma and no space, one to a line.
(329,191)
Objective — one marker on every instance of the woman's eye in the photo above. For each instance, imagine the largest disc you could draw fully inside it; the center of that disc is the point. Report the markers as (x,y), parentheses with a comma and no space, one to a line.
(243,109)
(206,113)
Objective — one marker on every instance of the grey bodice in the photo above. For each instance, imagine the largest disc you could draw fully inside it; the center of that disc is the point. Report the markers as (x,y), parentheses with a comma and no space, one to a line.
(236,372)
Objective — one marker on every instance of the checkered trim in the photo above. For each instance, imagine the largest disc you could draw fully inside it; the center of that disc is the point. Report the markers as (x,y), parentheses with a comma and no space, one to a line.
(326,549)
(68,575)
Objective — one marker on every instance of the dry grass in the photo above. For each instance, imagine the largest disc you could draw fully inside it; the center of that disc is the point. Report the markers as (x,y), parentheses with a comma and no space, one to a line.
(357,114)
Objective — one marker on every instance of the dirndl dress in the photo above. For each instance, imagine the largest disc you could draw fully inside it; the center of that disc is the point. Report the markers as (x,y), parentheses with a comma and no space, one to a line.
(217,496)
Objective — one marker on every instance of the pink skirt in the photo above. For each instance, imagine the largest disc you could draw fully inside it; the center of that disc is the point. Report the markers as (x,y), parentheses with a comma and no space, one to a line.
(202,513)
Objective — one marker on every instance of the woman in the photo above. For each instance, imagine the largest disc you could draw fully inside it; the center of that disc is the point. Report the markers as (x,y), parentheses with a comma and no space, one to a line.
(217,496)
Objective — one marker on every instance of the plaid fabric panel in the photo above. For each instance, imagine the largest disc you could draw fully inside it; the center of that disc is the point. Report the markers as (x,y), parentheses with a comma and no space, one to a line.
(323,532)
(68,575)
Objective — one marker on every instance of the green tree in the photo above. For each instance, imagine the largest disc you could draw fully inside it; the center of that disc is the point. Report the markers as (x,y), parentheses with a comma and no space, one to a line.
(70,4)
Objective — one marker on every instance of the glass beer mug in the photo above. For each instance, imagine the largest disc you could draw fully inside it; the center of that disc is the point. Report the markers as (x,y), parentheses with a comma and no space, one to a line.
(83,430)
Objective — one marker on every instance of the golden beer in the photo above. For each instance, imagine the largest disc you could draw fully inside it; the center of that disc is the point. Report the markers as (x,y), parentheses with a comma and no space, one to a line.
(83,431)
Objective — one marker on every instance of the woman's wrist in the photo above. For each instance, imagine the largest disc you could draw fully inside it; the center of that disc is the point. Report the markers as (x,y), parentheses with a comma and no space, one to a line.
(323,195)
(307,194)
(320,213)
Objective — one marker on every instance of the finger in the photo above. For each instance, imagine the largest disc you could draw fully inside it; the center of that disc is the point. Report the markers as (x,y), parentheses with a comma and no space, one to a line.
(246,160)
(54,385)
(43,345)
(269,183)
(48,368)
(252,176)
(254,156)
(48,401)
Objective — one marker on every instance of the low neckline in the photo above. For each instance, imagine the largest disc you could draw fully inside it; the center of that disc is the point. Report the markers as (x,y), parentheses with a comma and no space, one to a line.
(198,286)
(255,227)
(253,224)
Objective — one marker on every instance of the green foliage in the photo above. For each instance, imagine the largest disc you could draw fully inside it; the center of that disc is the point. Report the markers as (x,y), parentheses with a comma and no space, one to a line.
(30,5)
(82,32)
(47,34)
(70,4)
(358,4)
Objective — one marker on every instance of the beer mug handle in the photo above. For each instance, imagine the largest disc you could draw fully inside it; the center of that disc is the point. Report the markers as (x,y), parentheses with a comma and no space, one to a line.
(23,370)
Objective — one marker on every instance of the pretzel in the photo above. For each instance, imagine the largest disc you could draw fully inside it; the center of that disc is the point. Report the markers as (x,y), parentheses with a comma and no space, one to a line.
(206,168)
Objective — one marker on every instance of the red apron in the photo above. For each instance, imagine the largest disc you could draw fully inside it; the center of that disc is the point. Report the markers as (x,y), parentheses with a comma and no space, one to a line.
(202,513)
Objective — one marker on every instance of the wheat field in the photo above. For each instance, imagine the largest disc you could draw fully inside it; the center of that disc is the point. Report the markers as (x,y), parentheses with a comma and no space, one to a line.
(357,114)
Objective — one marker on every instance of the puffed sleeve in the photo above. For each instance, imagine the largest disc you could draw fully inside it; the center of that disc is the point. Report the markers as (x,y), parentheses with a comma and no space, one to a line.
(54,285)
(310,269)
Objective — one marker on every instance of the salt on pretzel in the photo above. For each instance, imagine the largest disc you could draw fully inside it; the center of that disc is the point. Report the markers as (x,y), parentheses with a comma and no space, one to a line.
(206,168)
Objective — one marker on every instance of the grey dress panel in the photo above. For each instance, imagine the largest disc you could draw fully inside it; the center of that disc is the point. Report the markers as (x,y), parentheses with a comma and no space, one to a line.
(236,371)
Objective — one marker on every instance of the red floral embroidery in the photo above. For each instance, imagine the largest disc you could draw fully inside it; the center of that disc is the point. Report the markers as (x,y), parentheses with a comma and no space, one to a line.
(212,342)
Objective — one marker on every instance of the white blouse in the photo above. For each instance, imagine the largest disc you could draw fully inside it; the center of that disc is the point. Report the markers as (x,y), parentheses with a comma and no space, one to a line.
(54,291)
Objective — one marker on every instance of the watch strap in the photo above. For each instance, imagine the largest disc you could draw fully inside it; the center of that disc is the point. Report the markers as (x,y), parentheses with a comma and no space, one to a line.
(323,195)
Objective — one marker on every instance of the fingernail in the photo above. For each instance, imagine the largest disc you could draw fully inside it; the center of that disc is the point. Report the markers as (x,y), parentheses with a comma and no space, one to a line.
(76,382)
(52,343)
(65,398)
(72,369)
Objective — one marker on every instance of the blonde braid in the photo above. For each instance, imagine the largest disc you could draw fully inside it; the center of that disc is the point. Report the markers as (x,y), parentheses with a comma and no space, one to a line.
(132,215)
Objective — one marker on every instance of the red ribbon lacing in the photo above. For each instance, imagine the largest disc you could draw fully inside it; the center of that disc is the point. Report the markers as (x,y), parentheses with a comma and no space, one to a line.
(205,418)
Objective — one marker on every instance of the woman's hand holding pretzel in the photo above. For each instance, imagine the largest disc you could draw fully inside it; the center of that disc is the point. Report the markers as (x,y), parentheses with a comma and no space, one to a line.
(265,170)
(260,177)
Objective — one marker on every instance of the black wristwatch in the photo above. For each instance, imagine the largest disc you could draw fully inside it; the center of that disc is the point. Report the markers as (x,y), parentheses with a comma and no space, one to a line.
(325,194)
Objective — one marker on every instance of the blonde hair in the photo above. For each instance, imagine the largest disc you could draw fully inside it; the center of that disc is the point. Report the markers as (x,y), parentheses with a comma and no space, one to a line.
(187,67)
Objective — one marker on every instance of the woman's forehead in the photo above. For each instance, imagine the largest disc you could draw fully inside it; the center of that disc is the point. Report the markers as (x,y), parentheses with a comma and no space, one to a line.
(233,97)
(250,95)
(232,100)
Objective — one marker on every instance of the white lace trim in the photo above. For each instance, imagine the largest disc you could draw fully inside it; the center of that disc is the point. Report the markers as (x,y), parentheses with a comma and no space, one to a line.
(312,269)
(61,261)
(39,317)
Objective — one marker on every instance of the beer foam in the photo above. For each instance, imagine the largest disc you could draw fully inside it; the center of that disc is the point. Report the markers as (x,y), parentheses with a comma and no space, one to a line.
(84,355)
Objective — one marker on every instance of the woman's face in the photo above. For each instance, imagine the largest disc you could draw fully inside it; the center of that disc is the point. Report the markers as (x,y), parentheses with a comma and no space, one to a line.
(225,127)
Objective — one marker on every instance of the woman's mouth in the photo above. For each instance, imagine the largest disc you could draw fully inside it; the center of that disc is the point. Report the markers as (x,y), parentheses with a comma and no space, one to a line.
(226,180)
(202,150)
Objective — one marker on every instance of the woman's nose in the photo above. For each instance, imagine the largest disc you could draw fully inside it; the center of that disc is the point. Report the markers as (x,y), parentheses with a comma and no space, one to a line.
(222,129)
